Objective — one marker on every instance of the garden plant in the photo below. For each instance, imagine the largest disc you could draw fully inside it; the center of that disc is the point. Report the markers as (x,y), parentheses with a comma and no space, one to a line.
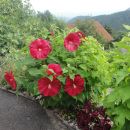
(65,69)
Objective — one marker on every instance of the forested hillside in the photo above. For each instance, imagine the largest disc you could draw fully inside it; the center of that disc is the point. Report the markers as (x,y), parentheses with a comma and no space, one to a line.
(115,21)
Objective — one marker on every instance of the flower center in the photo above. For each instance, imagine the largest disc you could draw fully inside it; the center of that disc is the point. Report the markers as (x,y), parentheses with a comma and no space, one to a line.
(39,49)
(71,43)
(74,86)
(49,86)
(11,79)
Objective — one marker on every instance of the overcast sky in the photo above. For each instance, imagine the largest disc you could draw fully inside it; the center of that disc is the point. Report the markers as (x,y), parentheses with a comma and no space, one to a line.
(71,8)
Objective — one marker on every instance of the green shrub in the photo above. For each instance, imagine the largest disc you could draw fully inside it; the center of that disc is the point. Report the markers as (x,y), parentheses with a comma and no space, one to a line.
(118,101)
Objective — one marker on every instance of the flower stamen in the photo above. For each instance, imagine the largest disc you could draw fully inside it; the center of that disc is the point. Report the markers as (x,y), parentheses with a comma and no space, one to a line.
(39,49)
(49,86)
(74,86)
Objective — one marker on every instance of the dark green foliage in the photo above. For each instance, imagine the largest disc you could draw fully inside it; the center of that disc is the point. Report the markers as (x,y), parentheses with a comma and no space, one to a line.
(108,29)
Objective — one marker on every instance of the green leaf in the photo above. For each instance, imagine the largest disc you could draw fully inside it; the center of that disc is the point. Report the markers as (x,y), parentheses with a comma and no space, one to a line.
(127,27)
(124,93)
(50,77)
(65,70)
(120,76)
(121,113)
(35,71)
(111,98)
(82,66)
(128,103)
(28,61)
(81,97)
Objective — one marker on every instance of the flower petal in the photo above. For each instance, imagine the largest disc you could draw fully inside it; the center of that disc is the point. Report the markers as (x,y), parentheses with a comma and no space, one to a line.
(74,88)
(43,86)
(78,80)
(56,86)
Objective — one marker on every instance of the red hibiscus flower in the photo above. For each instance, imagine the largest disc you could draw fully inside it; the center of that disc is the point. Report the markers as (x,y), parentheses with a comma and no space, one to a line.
(74,87)
(9,77)
(47,87)
(54,69)
(81,34)
(40,49)
(72,42)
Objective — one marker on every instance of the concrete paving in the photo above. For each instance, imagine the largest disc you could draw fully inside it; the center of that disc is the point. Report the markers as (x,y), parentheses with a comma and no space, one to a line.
(18,113)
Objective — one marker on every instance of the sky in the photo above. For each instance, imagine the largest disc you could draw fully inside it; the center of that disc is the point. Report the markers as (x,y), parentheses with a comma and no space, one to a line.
(72,8)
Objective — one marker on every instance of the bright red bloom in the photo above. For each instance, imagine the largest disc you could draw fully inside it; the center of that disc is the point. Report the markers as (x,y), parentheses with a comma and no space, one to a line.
(54,69)
(81,34)
(74,87)
(9,77)
(47,87)
(40,49)
(72,42)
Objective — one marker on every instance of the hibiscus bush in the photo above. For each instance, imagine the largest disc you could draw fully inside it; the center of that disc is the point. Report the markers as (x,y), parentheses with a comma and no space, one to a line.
(62,70)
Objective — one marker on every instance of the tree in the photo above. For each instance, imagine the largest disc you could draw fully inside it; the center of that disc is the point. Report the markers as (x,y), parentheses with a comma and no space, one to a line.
(48,19)
(17,21)
(46,16)
(109,29)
